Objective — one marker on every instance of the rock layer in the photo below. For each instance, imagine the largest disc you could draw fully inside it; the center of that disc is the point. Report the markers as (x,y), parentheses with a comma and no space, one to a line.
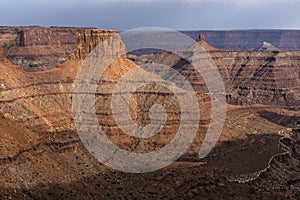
(38,48)
(269,78)
(42,156)
(36,99)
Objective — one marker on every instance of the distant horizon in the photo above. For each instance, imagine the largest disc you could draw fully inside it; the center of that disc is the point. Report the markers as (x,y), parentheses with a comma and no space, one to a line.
(180,30)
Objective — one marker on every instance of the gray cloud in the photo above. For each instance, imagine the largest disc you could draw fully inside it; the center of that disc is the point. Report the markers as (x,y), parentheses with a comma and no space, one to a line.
(177,14)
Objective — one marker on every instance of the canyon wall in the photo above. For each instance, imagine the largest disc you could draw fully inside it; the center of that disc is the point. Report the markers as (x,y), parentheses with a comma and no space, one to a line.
(269,77)
(41,101)
(38,48)
(36,99)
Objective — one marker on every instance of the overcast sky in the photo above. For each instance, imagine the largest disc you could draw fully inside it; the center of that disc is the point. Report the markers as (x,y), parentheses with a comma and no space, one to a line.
(174,14)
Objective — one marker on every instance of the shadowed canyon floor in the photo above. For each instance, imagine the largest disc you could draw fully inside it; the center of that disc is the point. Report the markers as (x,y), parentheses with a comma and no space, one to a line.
(42,157)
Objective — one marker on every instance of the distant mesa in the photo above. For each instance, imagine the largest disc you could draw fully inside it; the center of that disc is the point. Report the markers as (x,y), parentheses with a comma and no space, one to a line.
(249,40)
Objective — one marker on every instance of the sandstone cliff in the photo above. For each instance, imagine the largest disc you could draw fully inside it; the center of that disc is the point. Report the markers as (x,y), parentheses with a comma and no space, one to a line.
(269,78)
(36,99)
(38,48)
(42,156)
(88,39)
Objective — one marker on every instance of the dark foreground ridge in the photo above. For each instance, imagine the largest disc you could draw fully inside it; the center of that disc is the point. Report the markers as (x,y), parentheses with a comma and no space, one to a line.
(278,176)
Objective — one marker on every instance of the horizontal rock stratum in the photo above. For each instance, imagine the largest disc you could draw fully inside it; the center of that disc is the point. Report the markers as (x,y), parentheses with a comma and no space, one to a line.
(38,48)
(42,155)
(36,99)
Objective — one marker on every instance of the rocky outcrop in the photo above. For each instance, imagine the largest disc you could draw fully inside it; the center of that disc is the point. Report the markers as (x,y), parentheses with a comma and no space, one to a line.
(1,55)
(38,48)
(88,39)
(36,99)
(201,40)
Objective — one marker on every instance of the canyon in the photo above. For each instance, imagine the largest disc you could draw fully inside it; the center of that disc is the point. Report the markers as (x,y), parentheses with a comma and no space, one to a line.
(42,155)
(268,77)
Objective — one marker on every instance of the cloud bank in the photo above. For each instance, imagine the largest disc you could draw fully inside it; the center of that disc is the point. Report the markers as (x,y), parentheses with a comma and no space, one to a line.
(176,14)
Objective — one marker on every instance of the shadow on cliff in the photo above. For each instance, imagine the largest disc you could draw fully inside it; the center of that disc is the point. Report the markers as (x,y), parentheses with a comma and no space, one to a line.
(244,156)
(281,119)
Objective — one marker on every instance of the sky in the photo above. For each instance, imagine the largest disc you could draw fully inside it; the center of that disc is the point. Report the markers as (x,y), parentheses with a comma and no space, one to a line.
(173,14)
